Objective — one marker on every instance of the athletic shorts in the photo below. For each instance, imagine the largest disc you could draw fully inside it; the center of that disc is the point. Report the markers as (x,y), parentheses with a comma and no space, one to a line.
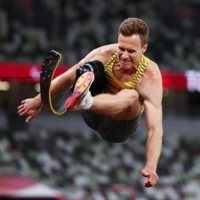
(109,129)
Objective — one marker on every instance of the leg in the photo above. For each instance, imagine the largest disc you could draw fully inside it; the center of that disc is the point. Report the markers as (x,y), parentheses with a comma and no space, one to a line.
(108,128)
(84,85)
(124,105)
(81,89)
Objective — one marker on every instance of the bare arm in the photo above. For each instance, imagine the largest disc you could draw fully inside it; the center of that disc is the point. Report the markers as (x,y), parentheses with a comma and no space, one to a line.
(60,84)
(153,117)
(32,107)
(65,80)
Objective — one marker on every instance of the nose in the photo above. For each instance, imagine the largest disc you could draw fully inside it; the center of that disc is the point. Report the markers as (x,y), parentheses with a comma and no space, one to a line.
(125,55)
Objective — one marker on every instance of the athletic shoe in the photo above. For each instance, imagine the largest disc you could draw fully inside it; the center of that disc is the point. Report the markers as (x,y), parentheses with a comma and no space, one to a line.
(80,91)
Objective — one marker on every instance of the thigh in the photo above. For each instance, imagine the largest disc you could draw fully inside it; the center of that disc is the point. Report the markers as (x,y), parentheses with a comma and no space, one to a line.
(109,129)
(116,131)
(133,107)
(91,118)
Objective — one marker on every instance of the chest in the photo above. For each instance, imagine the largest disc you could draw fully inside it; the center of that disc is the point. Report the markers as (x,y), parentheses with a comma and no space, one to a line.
(122,75)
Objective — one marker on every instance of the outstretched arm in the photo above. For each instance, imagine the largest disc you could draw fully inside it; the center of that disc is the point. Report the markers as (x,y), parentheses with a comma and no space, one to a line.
(31,107)
(153,117)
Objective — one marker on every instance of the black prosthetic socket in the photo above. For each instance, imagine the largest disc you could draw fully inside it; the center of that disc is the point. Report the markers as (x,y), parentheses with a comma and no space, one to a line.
(98,69)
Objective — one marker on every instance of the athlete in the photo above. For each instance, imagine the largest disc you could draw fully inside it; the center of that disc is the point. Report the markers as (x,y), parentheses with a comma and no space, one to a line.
(133,86)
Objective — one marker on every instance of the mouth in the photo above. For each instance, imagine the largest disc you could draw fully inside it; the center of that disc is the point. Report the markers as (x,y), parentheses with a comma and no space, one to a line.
(125,62)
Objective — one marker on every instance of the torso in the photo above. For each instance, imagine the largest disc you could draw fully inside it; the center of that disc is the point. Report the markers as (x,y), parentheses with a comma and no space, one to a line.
(119,80)
(116,80)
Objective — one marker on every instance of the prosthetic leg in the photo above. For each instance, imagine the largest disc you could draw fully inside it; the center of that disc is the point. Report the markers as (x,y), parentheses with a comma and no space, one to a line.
(95,83)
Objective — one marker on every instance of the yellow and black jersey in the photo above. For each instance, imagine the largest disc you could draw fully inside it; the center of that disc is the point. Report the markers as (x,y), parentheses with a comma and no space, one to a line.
(113,85)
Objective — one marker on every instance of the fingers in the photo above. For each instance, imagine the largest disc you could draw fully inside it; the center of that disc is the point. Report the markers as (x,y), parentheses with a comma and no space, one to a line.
(148,184)
(152,178)
(21,110)
(23,101)
(28,107)
(28,119)
(19,107)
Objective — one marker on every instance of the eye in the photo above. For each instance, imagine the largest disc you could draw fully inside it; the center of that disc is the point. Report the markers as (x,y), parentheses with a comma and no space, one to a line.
(121,49)
(131,51)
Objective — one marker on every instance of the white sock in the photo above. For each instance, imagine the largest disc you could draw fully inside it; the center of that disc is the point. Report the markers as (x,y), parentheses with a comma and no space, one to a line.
(87,102)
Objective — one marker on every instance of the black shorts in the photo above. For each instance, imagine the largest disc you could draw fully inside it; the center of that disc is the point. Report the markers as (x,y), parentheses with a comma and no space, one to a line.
(109,129)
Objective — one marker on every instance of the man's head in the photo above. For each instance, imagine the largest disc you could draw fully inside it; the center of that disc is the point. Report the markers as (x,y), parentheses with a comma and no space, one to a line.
(132,42)
(133,26)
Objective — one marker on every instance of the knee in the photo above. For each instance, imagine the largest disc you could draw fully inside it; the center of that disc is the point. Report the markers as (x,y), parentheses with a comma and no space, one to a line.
(130,95)
(130,105)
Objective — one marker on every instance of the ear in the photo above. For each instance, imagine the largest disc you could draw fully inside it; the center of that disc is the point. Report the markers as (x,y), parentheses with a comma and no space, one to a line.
(144,48)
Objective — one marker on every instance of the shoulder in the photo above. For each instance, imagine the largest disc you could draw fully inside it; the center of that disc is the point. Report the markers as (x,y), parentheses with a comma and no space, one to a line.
(102,53)
(107,50)
(150,85)
(152,70)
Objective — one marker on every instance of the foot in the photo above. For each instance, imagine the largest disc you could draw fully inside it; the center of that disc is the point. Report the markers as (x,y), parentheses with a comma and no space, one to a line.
(81,97)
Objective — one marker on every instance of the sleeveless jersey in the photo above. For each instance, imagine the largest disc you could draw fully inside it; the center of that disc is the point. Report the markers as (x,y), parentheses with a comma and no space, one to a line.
(113,85)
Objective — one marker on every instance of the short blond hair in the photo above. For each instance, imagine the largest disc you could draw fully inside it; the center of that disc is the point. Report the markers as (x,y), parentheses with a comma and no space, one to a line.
(132,26)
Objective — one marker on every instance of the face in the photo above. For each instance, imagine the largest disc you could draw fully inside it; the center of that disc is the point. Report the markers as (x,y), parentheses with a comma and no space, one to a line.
(130,51)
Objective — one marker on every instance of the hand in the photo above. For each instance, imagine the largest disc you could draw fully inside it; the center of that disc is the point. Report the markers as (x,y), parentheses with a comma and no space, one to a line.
(30,107)
(152,177)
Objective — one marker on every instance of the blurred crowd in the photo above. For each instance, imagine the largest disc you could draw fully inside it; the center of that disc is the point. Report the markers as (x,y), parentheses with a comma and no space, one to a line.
(86,167)
(83,165)
(30,28)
